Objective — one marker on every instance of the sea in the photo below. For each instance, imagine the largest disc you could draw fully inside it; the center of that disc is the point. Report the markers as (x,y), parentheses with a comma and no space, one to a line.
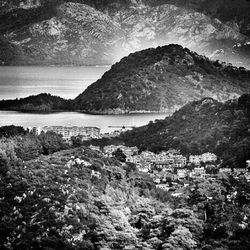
(66,82)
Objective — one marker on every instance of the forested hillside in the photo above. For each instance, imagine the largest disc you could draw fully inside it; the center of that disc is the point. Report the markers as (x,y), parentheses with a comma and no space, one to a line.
(152,80)
(39,103)
(201,126)
(161,80)
(80,199)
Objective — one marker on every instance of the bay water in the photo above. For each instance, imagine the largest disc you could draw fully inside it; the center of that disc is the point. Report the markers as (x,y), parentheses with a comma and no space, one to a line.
(67,82)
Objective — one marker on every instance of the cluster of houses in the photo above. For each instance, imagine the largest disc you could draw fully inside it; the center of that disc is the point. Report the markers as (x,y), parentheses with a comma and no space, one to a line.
(206,157)
(170,167)
(146,161)
(28,4)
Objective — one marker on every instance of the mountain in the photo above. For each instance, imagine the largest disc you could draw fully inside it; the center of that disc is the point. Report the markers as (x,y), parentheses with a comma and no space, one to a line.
(68,33)
(85,32)
(201,126)
(153,80)
(229,11)
(161,80)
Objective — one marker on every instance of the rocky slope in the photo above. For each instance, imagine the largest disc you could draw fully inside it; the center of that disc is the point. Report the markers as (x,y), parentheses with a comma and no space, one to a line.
(161,80)
(229,11)
(165,24)
(72,32)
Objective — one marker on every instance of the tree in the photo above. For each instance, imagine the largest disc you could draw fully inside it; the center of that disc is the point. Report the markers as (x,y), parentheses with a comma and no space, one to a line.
(118,154)
(51,142)
(4,165)
(181,238)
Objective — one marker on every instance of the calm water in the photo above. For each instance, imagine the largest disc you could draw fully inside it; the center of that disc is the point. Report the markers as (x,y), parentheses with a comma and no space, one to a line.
(66,82)
(76,119)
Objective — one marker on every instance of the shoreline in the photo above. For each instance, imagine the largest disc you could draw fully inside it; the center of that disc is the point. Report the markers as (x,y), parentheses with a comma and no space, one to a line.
(136,112)
(57,65)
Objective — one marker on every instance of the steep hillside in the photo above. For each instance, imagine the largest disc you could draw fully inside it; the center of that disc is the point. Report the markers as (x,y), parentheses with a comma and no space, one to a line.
(161,80)
(79,199)
(68,33)
(201,126)
(229,11)
(147,26)
(72,32)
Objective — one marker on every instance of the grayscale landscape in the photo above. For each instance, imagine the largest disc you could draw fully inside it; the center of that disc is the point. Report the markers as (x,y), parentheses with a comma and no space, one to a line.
(124,124)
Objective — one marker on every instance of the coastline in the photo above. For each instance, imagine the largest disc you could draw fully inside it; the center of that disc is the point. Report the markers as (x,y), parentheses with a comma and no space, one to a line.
(135,112)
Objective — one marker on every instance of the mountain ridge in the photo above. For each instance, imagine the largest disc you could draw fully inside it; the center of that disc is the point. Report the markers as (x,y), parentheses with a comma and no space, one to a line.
(132,25)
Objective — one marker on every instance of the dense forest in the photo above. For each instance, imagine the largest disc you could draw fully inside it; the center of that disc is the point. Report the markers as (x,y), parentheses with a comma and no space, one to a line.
(80,199)
(18,144)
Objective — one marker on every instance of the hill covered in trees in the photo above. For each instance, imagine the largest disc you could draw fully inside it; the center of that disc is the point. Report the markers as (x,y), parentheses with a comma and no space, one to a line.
(18,144)
(201,126)
(79,199)
(39,103)
(161,80)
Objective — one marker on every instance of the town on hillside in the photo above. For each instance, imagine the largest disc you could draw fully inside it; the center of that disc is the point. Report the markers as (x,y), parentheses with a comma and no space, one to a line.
(171,171)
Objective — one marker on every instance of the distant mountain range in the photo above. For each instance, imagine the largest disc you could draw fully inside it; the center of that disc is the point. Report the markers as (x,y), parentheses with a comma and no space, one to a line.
(85,32)
(153,80)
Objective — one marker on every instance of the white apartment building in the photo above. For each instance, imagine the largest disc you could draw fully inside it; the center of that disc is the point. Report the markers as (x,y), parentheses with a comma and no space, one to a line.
(206,157)
(68,132)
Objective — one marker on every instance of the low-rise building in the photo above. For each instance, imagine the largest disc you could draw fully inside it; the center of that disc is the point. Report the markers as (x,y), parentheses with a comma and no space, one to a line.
(248,163)
(198,172)
(195,159)
(239,171)
(182,173)
(163,186)
(95,148)
(206,157)
(36,130)
(225,170)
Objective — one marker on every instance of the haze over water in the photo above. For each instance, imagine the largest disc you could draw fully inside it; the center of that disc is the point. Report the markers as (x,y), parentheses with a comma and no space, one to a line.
(67,82)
